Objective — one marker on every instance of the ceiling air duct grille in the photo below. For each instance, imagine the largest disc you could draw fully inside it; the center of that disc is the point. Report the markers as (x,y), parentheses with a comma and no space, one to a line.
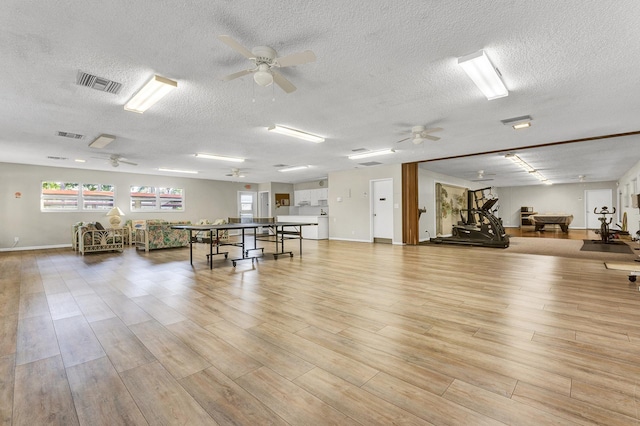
(370,163)
(70,135)
(97,83)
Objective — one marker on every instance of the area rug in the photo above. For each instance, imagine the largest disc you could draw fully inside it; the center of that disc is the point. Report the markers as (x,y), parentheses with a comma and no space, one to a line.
(623,266)
(613,247)
(564,248)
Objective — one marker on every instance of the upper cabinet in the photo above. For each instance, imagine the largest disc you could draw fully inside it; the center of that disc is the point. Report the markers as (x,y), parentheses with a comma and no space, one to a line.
(311,197)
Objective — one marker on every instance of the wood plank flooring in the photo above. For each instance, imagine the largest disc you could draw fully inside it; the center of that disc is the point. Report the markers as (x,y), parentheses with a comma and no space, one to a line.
(348,334)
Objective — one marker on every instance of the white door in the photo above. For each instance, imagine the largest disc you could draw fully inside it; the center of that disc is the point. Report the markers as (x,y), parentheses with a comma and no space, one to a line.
(263,204)
(596,199)
(382,204)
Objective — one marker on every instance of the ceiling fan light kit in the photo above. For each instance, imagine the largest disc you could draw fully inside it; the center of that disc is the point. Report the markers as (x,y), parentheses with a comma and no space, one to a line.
(102,141)
(296,133)
(482,72)
(220,157)
(371,154)
(154,90)
(265,60)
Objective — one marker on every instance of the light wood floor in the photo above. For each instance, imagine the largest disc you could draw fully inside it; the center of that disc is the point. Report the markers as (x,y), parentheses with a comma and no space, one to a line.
(350,333)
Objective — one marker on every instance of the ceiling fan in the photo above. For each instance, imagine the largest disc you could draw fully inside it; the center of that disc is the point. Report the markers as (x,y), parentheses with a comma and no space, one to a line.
(265,60)
(115,160)
(235,173)
(481,176)
(420,133)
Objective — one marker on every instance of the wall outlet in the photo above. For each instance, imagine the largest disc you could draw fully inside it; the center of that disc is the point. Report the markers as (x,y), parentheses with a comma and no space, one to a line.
(16,239)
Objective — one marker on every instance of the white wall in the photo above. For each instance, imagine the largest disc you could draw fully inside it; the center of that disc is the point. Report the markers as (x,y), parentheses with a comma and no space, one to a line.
(21,217)
(350,219)
(281,188)
(625,189)
(566,198)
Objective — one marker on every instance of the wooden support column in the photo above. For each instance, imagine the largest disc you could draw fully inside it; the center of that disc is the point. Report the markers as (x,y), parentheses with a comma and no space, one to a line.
(410,227)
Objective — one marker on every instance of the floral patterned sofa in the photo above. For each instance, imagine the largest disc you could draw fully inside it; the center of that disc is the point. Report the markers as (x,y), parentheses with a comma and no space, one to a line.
(156,234)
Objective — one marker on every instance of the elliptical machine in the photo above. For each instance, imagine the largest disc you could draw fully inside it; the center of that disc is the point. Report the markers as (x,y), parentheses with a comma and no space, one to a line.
(478,225)
(605,234)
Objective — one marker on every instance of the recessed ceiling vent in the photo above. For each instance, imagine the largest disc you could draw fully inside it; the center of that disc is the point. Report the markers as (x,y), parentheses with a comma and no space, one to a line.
(97,83)
(57,158)
(370,163)
(70,135)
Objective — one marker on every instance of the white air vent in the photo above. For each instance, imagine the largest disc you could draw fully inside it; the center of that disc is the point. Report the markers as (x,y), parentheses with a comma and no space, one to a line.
(70,135)
(97,83)
(370,163)
(57,158)
(359,150)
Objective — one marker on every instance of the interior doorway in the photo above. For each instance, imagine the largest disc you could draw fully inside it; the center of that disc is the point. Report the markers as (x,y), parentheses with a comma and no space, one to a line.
(246,206)
(382,210)
(596,199)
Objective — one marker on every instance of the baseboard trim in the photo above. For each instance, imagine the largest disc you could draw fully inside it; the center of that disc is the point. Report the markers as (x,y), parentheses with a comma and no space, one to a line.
(349,239)
(36,247)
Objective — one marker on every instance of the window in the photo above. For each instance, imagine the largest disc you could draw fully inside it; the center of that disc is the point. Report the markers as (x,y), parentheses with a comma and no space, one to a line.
(149,198)
(96,196)
(66,196)
(246,206)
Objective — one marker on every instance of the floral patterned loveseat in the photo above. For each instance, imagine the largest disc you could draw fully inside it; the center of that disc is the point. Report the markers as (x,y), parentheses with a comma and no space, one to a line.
(156,234)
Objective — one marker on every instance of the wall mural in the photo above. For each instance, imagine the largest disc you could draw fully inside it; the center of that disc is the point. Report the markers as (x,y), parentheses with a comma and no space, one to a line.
(450,200)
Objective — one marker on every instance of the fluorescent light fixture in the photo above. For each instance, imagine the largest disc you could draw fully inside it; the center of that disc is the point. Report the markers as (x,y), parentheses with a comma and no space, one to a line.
(521,126)
(296,133)
(487,77)
(102,141)
(193,172)
(220,157)
(152,92)
(294,168)
(80,160)
(520,162)
(371,154)
(526,166)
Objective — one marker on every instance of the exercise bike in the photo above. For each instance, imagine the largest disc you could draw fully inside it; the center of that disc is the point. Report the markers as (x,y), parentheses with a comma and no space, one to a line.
(605,234)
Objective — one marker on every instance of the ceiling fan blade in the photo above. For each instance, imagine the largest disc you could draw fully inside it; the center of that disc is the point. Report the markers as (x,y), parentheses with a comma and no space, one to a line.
(405,139)
(229,41)
(433,129)
(127,162)
(296,59)
(431,138)
(236,75)
(284,84)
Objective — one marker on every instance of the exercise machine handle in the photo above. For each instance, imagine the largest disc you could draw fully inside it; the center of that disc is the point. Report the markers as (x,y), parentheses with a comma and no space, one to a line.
(604,211)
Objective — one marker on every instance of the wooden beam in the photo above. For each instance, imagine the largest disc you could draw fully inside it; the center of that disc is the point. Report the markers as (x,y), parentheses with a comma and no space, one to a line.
(410,227)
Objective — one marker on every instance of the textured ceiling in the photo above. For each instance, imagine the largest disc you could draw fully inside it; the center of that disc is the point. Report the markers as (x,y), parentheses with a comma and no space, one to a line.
(382,67)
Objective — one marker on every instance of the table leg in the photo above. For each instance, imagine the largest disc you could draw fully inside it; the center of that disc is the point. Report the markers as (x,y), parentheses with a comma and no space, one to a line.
(191,246)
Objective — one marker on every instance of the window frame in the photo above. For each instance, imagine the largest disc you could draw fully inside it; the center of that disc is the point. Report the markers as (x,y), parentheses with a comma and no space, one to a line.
(160,198)
(77,195)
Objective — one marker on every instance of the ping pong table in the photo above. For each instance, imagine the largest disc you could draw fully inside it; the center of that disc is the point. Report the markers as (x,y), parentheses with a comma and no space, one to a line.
(280,230)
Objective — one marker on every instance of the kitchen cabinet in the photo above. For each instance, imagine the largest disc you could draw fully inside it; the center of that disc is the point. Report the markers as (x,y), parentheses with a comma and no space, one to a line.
(311,197)
(302,197)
